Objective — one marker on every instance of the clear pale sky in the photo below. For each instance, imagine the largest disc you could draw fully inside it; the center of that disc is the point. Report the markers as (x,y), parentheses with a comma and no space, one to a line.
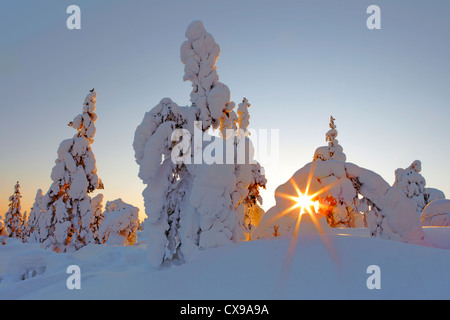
(297,62)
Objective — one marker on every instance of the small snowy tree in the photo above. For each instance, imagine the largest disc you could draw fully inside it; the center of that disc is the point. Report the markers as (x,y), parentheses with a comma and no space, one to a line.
(333,151)
(3,233)
(97,206)
(120,224)
(24,227)
(253,213)
(412,184)
(243,116)
(13,217)
(340,203)
(67,204)
(32,229)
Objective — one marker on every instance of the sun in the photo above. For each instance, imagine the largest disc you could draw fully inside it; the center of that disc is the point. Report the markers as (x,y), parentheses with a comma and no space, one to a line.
(305,203)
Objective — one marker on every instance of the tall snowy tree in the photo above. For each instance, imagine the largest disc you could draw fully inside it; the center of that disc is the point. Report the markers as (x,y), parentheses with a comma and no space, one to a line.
(67,204)
(412,184)
(192,205)
(13,217)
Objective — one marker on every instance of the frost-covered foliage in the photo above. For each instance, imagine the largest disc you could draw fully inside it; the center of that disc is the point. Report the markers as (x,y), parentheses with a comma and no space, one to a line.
(436,213)
(66,223)
(192,205)
(412,184)
(333,151)
(3,232)
(13,217)
(121,221)
(389,214)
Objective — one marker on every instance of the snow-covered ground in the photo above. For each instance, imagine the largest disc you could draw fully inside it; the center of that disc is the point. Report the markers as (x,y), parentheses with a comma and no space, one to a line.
(248,270)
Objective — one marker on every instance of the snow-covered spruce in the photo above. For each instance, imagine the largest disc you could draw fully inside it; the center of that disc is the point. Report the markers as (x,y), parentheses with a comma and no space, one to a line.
(192,206)
(66,222)
(13,217)
(32,230)
(97,206)
(3,232)
(340,204)
(412,184)
(121,221)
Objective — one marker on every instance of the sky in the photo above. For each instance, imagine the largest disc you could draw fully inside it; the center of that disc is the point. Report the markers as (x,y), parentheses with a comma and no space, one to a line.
(297,62)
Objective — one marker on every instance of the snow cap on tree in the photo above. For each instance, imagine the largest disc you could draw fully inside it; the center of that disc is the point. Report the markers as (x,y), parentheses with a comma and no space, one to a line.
(199,55)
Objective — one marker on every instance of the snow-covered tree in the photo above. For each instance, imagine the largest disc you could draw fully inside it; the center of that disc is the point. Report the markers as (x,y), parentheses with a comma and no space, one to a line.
(32,230)
(68,209)
(3,232)
(192,205)
(13,217)
(243,115)
(121,221)
(340,203)
(24,227)
(253,213)
(343,192)
(97,206)
(412,184)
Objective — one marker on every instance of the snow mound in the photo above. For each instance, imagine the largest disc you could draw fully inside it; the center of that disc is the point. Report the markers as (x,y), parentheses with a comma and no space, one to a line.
(120,223)
(436,213)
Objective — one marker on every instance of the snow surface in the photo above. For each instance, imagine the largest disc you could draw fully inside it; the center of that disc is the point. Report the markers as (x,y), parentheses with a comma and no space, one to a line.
(246,270)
